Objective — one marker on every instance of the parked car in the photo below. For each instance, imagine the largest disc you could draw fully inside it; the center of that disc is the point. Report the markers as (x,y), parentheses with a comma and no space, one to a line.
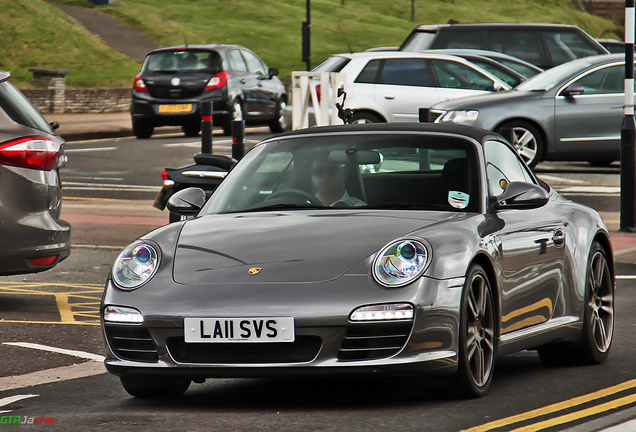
(544,45)
(306,261)
(393,86)
(511,70)
(174,81)
(612,45)
(33,237)
(571,112)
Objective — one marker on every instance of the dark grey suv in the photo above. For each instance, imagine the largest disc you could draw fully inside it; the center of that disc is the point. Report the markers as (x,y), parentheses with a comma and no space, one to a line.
(33,238)
(544,45)
(174,81)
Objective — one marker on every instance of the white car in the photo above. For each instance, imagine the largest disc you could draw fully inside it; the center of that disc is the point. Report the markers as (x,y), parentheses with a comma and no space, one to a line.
(393,86)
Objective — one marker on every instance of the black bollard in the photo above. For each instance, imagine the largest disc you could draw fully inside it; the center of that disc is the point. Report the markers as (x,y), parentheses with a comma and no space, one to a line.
(238,136)
(206,127)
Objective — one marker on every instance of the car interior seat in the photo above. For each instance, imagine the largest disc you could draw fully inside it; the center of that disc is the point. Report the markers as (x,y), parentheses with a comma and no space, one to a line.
(455,177)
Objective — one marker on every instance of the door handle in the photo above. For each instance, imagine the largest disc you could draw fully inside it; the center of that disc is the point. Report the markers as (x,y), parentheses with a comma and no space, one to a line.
(242,81)
(389,97)
(558,237)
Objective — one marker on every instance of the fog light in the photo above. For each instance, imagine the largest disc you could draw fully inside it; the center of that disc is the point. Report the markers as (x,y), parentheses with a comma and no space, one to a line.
(385,312)
(120,314)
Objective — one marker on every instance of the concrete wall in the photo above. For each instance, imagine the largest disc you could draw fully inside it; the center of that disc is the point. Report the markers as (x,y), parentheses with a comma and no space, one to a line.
(91,100)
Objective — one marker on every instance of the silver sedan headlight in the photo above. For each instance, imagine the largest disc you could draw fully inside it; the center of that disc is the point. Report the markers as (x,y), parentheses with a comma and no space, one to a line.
(400,263)
(135,266)
(459,116)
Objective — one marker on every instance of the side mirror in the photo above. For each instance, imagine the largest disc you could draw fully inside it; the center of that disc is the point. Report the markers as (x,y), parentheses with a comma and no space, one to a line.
(573,90)
(54,125)
(522,195)
(272,72)
(186,202)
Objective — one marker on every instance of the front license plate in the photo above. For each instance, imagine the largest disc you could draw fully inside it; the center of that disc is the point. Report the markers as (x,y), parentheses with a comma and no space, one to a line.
(211,330)
(175,108)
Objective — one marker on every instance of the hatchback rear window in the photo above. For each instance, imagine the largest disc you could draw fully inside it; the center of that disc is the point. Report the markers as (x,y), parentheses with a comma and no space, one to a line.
(19,109)
(332,64)
(183,60)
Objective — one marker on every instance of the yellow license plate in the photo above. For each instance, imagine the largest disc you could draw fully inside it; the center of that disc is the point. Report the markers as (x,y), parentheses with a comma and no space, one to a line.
(176,108)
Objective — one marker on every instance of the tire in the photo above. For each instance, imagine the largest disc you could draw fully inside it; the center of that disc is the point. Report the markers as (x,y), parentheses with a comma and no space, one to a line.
(598,318)
(236,114)
(528,141)
(477,336)
(155,387)
(191,129)
(279,123)
(362,117)
(142,129)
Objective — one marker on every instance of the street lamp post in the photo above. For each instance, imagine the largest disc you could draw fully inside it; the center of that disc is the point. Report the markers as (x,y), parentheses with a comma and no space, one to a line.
(628,130)
(306,36)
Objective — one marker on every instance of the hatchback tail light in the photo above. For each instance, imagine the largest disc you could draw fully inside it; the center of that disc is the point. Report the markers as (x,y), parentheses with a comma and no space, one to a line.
(30,152)
(217,81)
(318,90)
(140,85)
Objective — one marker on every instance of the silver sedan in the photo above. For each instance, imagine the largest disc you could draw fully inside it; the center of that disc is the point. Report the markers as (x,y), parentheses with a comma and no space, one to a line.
(571,112)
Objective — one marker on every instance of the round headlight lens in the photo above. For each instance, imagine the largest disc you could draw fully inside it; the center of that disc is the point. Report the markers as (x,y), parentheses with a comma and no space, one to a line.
(135,266)
(400,263)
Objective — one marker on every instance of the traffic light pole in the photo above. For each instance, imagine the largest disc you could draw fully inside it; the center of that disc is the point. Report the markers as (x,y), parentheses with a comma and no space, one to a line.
(628,130)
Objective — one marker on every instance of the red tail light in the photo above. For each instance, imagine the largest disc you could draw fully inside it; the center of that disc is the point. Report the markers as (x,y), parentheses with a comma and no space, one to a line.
(30,152)
(43,261)
(164,175)
(140,85)
(318,92)
(217,81)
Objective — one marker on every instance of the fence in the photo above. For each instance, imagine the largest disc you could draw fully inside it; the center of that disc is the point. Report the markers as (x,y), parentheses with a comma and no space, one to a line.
(317,90)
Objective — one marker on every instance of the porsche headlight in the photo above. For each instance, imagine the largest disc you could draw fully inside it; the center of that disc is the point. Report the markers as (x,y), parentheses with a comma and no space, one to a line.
(459,116)
(135,266)
(400,263)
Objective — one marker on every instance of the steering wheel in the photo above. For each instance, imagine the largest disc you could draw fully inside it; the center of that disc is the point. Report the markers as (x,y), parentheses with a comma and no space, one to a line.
(296,193)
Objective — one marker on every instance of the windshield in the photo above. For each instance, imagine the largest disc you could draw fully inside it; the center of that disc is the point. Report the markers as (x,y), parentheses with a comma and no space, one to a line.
(183,60)
(499,72)
(13,102)
(552,77)
(520,68)
(419,41)
(376,171)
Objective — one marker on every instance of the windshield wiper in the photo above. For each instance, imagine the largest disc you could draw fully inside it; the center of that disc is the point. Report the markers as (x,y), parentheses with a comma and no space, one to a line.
(281,207)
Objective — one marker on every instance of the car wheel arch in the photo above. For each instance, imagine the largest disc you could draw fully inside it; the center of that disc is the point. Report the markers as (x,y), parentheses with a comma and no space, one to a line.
(544,135)
(372,112)
(485,261)
(603,239)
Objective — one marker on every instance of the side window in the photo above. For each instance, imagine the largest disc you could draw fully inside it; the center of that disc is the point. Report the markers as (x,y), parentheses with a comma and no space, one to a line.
(566,45)
(503,166)
(522,44)
(465,39)
(254,64)
(452,74)
(369,73)
(236,61)
(603,81)
(408,72)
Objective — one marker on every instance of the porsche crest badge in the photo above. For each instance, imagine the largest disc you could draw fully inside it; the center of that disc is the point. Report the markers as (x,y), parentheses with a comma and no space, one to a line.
(254,271)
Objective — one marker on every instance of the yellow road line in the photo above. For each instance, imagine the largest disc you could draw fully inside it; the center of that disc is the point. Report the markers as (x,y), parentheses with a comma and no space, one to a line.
(626,400)
(66,314)
(49,322)
(570,403)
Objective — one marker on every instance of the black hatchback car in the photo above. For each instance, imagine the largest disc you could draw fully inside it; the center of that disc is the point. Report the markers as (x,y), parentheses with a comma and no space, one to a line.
(33,238)
(173,81)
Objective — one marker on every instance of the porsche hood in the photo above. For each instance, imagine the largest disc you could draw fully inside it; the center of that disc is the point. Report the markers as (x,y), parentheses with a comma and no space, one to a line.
(288,247)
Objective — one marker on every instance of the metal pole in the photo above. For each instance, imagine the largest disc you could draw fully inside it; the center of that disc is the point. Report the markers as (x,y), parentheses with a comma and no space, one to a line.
(308,20)
(628,130)
(238,135)
(206,127)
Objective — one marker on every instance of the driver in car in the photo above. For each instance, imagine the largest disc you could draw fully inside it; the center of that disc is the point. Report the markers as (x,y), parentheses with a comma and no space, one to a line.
(328,178)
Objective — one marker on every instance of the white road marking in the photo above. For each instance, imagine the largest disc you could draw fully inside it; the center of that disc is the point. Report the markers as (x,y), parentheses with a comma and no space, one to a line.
(626,277)
(93,178)
(555,179)
(224,144)
(48,376)
(109,187)
(591,189)
(90,149)
(11,399)
(74,353)
(105,247)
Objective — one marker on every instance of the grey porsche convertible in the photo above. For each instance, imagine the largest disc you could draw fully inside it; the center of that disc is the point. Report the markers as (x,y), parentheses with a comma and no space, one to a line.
(405,249)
